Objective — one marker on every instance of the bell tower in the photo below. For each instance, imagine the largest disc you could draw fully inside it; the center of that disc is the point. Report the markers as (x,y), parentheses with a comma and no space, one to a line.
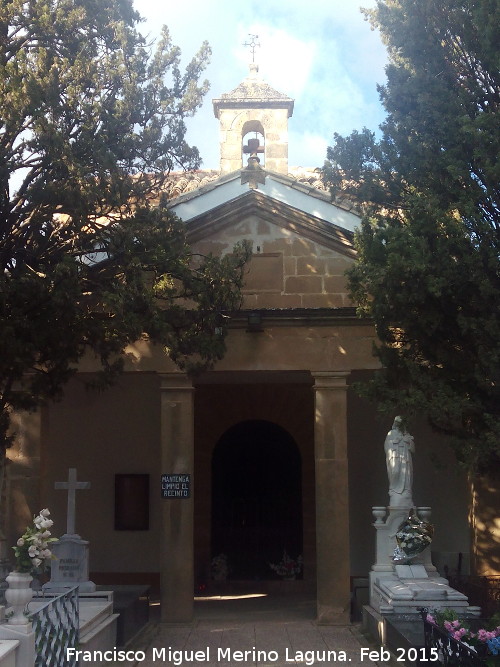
(255,109)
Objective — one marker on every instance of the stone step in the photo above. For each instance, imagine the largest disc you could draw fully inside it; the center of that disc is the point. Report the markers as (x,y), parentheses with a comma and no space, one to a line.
(101,634)
(92,614)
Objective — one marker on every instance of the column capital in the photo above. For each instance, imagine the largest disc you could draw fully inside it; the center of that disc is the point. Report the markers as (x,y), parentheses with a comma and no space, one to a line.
(330,379)
(175,382)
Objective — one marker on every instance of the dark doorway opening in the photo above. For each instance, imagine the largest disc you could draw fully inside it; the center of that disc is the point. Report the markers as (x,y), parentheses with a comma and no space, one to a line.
(256,499)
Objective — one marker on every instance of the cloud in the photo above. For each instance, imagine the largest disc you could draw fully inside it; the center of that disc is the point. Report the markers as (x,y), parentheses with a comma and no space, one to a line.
(307,149)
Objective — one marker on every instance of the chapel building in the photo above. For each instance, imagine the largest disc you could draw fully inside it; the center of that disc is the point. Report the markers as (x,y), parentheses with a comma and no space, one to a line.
(272,451)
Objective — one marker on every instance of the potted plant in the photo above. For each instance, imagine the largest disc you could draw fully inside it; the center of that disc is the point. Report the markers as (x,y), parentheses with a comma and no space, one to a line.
(31,553)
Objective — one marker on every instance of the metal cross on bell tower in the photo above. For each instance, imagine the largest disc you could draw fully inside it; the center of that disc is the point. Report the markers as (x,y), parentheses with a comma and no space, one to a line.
(252,44)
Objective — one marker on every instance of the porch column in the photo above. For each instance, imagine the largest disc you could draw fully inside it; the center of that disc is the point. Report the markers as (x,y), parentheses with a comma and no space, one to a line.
(177,458)
(332,501)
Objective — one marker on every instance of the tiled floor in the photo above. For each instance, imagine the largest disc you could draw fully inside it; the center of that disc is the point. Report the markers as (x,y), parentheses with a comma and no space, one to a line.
(265,643)
(265,632)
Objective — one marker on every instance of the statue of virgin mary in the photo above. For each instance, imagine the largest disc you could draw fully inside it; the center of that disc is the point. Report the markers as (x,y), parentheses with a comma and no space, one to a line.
(399,446)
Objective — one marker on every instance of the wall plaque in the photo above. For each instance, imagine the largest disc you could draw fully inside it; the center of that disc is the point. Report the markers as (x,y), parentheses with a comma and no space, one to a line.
(175,486)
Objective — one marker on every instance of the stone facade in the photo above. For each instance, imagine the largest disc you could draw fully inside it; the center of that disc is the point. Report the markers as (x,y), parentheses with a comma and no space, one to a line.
(292,373)
(286,269)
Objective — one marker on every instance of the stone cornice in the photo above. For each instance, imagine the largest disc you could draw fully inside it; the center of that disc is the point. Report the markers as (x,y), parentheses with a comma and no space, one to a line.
(285,317)
(253,93)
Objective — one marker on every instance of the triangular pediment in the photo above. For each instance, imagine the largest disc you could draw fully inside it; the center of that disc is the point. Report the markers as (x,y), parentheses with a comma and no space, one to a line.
(281,201)
(255,204)
(301,243)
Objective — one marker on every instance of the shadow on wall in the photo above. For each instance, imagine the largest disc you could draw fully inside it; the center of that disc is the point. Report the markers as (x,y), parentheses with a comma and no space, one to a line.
(485,523)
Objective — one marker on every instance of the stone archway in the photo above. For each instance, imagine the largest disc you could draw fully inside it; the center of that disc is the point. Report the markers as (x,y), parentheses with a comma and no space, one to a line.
(256,498)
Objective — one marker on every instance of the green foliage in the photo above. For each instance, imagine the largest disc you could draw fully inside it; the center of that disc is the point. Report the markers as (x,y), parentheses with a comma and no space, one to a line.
(428,268)
(91,123)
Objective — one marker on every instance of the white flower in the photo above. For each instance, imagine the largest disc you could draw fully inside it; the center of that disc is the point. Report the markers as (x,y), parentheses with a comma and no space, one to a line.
(33,545)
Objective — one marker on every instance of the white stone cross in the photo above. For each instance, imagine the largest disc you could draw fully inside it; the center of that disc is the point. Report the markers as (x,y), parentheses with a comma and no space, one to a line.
(71,486)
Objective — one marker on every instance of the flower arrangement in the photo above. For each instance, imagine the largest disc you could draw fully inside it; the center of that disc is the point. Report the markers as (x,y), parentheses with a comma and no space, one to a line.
(485,642)
(32,548)
(412,537)
(287,567)
(219,568)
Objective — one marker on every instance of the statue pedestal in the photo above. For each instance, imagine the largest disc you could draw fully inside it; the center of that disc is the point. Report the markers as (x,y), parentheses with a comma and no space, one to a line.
(404,589)
(387,527)
(71,565)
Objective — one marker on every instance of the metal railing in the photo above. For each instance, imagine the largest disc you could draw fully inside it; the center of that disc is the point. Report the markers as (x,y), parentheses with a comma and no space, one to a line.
(56,626)
(482,591)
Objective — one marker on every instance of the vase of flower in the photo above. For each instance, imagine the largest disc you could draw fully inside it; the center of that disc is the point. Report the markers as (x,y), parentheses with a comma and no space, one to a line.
(219,568)
(31,555)
(18,595)
(288,568)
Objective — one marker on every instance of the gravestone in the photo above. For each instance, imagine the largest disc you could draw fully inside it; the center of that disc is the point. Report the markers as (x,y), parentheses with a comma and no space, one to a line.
(405,587)
(71,564)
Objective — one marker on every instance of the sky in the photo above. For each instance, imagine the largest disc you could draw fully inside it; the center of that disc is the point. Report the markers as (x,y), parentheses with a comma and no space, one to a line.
(323,54)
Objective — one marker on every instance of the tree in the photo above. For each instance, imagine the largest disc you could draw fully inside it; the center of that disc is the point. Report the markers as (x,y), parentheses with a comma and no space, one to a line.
(429,189)
(91,123)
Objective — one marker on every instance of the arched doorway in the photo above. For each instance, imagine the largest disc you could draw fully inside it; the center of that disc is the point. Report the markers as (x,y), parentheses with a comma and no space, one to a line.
(256,498)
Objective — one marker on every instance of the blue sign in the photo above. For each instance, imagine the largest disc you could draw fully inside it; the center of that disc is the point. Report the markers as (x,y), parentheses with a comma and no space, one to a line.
(175,486)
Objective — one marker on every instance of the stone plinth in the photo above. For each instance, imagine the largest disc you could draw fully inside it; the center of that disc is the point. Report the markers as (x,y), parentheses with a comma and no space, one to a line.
(24,636)
(388,520)
(70,566)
